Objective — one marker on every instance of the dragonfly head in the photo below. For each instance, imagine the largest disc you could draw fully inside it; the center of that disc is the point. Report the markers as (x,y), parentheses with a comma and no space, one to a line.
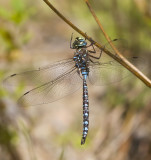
(79,43)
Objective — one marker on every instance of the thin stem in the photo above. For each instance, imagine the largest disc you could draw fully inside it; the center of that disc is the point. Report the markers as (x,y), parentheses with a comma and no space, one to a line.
(102,29)
(118,58)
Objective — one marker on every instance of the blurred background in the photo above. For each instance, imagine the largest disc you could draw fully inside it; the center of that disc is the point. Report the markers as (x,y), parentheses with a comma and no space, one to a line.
(31,35)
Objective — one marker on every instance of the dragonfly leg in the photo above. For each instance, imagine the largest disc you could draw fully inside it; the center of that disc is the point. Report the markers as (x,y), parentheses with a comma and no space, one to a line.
(96,57)
(91,44)
(86,35)
(94,51)
(71,41)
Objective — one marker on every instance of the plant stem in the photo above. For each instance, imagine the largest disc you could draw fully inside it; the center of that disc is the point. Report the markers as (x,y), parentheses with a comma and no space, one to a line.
(118,58)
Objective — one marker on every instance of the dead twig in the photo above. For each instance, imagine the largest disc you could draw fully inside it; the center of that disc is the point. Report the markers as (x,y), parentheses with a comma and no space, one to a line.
(102,29)
(118,58)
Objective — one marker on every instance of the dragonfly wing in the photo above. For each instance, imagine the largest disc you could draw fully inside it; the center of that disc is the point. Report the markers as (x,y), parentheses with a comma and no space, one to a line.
(39,76)
(54,90)
(109,72)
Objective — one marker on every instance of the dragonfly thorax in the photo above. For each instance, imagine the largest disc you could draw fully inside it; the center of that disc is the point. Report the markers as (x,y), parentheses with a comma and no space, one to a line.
(81,59)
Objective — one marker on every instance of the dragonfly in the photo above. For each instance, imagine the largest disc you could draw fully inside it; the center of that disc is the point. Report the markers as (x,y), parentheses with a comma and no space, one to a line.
(55,81)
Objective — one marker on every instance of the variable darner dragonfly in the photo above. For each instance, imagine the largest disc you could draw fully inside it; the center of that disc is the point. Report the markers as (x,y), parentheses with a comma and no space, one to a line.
(64,77)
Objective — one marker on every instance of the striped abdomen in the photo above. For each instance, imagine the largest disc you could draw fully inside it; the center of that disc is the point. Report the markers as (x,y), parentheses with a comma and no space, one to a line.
(85,111)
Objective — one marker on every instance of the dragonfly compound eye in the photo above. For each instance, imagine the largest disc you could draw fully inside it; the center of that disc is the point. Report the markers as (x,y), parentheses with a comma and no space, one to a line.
(79,43)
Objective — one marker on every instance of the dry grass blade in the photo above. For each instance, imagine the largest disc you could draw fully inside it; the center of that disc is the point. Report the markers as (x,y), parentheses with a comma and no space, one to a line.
(124,61)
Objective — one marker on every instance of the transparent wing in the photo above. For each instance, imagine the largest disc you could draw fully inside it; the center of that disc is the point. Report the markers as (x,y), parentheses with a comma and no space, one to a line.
(62,86)
(41,75)
(110,72)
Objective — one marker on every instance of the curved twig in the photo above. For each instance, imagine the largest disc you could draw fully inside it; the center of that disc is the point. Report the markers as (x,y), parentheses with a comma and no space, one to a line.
(118,58)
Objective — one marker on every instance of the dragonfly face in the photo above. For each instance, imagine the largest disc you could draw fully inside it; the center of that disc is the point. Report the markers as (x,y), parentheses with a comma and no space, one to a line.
(79,43)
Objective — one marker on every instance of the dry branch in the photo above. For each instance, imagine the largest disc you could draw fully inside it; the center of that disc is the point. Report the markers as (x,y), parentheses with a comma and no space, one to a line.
(118,58)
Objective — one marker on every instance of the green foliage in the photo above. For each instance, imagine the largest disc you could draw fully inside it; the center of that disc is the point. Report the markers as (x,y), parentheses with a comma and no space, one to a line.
(7,135)
(7,39)
(13,18)
(17,13)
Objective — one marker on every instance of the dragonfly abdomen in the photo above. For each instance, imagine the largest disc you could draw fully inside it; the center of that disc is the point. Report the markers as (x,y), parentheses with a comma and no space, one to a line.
(85,111)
